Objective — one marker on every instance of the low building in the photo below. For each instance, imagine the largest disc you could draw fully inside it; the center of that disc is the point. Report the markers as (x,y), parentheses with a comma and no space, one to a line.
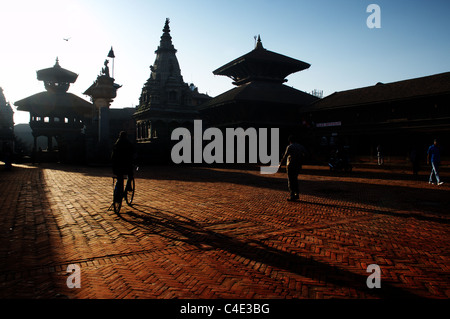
(402,117)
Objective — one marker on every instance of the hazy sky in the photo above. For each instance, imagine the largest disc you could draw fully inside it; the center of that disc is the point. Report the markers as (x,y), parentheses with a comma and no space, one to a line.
(332,36)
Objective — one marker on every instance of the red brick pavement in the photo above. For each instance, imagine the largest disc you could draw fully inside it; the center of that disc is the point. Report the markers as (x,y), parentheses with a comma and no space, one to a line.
(222,233)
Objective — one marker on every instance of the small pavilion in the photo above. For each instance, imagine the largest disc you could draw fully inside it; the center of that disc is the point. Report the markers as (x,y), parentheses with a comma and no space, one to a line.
(57,114)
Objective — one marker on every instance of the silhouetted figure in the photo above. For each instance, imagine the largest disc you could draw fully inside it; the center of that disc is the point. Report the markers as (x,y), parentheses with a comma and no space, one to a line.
(339,160)
(122,159)
(380,155)
(105,70)
(434,158)
(294,156)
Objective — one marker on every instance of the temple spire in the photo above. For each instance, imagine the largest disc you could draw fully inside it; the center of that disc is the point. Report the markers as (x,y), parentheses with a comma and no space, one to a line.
(259,44)
(166,26)
(166,39)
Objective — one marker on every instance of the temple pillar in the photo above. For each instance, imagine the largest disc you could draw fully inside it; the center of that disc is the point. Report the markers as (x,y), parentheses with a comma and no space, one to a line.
(103,92)
(103,120)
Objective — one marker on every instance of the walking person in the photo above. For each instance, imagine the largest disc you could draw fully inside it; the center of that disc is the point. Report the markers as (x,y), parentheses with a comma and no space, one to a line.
(294,159)
(434,158)
(380,155)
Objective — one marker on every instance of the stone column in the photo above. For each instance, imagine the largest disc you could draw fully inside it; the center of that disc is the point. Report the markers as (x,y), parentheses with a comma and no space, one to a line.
(103,120)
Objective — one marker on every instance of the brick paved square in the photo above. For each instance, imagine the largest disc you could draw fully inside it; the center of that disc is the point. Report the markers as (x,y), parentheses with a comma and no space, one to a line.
(215,233)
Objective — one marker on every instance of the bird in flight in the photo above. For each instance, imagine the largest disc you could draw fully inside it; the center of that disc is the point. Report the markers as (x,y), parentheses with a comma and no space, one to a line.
(66,39)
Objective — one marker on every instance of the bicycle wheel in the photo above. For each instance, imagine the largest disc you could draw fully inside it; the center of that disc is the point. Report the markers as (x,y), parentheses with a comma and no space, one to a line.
(129,192)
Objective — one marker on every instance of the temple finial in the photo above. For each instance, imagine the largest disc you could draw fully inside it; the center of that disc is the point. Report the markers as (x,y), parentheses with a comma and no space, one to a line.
(57,63)
(259,43)
(111,53)
(166,26)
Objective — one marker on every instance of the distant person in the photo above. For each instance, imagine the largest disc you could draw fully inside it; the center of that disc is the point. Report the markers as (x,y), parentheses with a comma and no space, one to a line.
(380,155)
(434,158)
(122,159)
(294,156)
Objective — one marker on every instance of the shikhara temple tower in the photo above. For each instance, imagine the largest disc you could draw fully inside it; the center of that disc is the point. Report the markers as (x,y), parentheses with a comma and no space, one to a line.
(57,114)
(166,101)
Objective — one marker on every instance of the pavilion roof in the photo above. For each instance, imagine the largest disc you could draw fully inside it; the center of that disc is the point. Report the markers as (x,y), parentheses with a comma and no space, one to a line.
(56,74)
(262,92)
(48,103)
(261,64)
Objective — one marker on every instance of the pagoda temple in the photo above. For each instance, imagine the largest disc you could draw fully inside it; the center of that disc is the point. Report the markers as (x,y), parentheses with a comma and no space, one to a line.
(166,101)
(260,98)
(57,114)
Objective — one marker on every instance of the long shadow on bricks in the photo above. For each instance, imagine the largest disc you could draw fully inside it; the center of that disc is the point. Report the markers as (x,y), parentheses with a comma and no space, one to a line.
(356,188)
(353,190)
(180,228)
(417,216)
(27,252)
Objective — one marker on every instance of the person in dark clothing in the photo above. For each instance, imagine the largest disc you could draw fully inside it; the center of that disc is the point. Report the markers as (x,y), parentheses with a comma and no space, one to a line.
(380,155)
(293,156)
(122,159)
(434,158)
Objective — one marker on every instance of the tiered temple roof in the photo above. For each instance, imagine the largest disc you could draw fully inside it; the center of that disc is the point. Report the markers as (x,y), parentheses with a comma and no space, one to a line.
(55,101)
(261,64)
(259,76)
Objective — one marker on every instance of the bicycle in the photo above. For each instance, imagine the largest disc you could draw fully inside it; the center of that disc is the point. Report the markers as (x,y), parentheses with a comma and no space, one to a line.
(119,193)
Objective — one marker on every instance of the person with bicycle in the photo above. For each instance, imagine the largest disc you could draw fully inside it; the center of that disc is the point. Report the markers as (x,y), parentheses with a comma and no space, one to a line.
(122,160)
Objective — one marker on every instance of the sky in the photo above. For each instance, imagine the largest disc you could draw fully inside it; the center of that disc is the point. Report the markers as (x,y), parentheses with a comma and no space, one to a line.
(331,35)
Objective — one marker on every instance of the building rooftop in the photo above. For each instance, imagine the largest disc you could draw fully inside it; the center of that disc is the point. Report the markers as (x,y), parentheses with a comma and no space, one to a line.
(47,103)
(56,74)
(406,89)
(261,64)
(262,92)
